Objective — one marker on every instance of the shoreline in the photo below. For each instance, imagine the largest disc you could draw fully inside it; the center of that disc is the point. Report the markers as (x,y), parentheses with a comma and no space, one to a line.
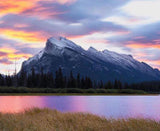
(72,94)
(25,91)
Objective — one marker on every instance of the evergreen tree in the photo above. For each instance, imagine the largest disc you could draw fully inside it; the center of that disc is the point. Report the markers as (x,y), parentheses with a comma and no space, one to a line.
(88,83)
(29,81)
(50,80)
(33,78)
(115,84)
(1,80)
(78,83)
(100,84)
(71,81)
(119,84)
(59,80)
(94,84)
(108,85)
(82,83)
(22,78)
(9,81)
(42,79)
(126,86)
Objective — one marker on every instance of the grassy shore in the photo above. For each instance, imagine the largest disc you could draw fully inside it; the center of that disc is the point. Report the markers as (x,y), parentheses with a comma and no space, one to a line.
(52,120)
(73,94)
(67,91)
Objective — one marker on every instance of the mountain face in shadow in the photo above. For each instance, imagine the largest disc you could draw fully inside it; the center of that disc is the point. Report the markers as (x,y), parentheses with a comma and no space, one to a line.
(98,65)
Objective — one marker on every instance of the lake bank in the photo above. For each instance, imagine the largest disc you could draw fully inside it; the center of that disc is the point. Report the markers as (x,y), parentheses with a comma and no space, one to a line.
(46,119)
(74,94)
(69,91)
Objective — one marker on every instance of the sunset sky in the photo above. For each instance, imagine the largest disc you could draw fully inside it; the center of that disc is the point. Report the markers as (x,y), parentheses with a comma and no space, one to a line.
(125,26)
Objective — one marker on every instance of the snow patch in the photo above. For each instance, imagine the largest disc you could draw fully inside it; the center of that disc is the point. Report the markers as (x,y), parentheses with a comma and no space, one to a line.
(35,58)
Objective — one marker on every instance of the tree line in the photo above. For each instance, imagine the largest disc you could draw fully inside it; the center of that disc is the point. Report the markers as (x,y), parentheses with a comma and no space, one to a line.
(48,80)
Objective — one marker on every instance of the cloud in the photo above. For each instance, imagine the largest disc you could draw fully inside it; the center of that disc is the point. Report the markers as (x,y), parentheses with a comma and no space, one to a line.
(48,27)
(126,26)
(146,35)
(22,36)
(143,9)
(134,45)
(9,55)
(18,6)
(141,40)
(10,6)
(76,11)
(5,61)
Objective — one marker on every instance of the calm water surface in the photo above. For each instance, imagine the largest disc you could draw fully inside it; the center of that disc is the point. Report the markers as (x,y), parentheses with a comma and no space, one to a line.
(108,106)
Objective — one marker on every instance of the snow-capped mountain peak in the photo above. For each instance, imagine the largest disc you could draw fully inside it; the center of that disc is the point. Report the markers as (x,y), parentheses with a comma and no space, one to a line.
(104,65)
(62,42)
(55,42)
(56,46)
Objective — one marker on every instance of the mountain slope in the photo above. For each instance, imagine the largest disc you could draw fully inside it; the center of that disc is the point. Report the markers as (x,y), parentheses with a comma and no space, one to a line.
(99,65)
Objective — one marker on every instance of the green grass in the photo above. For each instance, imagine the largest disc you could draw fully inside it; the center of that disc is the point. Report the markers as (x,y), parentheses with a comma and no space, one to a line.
(66,91)
(52,120)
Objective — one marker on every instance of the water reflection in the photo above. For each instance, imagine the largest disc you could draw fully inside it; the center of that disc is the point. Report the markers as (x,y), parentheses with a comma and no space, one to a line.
(19,103)
(109,106)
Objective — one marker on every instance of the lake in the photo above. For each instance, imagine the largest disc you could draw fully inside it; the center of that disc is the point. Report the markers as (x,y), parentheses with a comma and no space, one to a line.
(108,106)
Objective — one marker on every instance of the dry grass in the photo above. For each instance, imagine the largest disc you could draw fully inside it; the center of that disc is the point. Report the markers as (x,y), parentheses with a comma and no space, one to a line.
(52,120)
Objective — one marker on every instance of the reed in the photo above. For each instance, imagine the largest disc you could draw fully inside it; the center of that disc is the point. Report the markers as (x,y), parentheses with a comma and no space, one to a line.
(52,120)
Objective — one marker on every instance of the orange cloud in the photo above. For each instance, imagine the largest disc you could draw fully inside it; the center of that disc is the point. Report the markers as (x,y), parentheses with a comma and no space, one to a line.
(41,13)
(135,45)
(23,36)
(18,6)
(153,63)
(142,56)
(7,50)
(15,6)
(138,45)
(10,55)
(5,61)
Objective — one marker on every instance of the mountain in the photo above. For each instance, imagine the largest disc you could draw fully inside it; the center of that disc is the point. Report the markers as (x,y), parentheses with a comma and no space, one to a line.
(98,65)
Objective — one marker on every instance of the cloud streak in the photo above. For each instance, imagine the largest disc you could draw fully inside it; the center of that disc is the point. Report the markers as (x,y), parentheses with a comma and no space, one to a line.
(25,26)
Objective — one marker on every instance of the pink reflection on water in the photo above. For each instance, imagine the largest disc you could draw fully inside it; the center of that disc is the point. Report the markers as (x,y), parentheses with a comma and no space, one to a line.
(78,104)
(108,106)
(136,107)
(14,104)
(155,108)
